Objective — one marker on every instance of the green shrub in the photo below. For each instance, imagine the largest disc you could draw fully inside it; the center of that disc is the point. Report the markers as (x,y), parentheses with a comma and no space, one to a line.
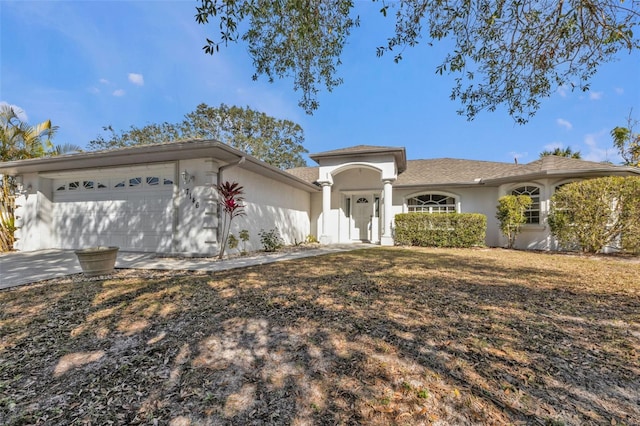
(511,215)
(244,236)
(630,240)
(597,213)
(440,229)
(271,240)
(232,241)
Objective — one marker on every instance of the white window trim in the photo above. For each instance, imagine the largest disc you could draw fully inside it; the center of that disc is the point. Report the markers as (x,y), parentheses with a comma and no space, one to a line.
(406,199)
(542,205)
(111,182)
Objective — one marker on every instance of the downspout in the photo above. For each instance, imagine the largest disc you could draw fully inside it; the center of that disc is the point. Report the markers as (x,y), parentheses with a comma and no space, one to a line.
(220,170)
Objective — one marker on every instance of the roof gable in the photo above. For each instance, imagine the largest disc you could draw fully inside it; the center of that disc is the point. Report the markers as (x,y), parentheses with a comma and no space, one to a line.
(353,152)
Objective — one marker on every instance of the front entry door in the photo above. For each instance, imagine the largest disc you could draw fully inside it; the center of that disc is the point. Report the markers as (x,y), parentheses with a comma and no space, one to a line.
(362,212)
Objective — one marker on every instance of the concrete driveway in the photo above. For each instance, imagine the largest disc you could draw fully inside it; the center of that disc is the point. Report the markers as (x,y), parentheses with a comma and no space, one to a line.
(19,268)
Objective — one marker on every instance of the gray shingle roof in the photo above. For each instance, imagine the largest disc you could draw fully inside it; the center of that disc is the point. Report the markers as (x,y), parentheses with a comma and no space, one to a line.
(309,174)
(551,164)
(452,171)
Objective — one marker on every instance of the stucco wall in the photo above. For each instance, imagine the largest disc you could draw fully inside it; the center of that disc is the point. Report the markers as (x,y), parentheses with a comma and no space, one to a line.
(316,214)
(195,205)
(478,199)
(270,204)
(34,215)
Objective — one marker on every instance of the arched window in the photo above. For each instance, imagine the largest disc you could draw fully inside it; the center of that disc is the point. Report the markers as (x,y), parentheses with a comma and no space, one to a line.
(432,203)
(533,213)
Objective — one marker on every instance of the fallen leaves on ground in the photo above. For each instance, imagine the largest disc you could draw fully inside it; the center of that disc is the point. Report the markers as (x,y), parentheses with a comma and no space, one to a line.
(376,336)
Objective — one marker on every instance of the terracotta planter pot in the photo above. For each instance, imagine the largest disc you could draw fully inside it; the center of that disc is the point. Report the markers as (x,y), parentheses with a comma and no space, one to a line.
(96,261)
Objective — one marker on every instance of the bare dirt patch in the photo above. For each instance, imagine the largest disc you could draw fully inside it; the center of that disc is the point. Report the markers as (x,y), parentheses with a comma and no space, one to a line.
(378,336)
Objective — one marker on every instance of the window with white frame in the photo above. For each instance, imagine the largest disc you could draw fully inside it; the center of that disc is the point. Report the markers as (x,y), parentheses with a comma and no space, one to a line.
(533,213)
(432,203)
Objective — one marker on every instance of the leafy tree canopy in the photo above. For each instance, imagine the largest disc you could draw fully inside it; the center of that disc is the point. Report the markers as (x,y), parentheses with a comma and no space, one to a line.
(19,140)
(562,152)
(506,52)
(277,142)
(627,140)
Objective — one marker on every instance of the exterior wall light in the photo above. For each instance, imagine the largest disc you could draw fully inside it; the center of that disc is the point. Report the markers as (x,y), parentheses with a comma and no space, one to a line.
(19,183)
(186,177)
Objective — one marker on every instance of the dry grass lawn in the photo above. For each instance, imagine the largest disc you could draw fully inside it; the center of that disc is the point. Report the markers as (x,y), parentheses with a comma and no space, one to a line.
(378,336)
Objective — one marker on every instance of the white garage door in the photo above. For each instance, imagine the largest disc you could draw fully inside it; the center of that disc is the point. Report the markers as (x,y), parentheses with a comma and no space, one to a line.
(128,207)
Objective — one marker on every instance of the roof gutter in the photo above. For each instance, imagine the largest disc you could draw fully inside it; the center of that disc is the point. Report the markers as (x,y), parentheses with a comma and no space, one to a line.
(230,165)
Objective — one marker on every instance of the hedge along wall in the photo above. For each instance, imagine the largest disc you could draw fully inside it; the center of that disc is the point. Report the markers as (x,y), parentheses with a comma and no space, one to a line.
(441,229)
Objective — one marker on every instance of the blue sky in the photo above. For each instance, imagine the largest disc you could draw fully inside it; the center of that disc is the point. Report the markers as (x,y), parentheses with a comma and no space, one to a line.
(88,64)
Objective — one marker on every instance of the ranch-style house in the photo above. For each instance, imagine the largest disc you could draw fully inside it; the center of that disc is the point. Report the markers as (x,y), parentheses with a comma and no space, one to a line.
(162,198)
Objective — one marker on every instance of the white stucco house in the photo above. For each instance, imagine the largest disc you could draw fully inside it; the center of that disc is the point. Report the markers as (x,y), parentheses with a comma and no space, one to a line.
(161,198)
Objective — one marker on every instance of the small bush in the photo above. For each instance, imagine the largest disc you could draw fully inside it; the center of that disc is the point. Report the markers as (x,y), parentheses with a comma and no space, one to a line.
(311,239)
(232,242)
(271,240)
(511,215)
(440,229)
(244,236)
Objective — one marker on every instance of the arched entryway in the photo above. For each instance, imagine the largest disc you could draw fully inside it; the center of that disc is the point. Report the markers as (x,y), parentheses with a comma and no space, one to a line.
(357,193)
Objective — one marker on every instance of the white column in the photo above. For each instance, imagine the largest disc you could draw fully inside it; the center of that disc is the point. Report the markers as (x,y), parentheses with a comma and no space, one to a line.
(325,237)
(387,236)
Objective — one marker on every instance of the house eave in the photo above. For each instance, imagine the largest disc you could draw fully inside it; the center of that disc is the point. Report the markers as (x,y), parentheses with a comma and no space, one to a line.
(158,153)
(619,171)
(440,185)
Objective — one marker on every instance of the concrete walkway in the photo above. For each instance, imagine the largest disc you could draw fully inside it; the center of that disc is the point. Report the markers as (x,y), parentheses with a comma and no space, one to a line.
(23,268)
